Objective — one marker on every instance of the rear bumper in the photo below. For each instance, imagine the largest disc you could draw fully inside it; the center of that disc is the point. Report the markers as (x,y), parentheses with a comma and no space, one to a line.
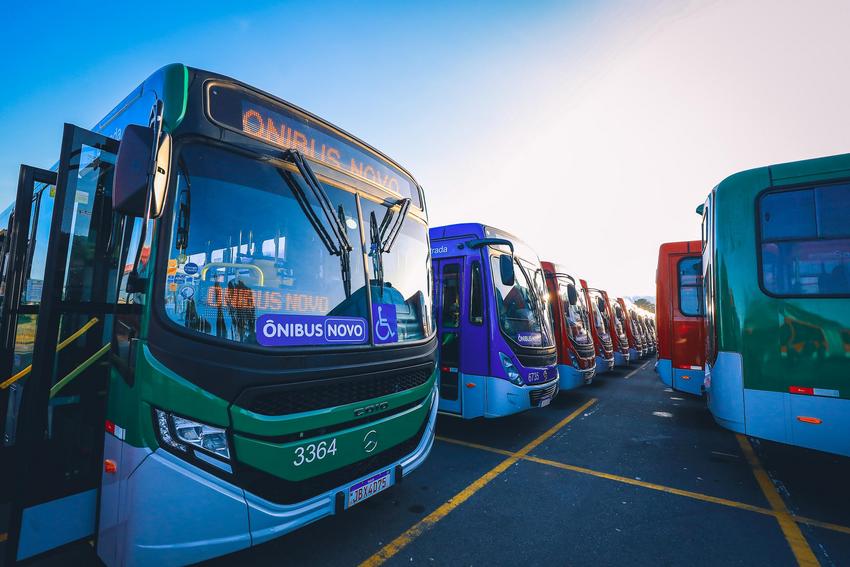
(505,398)
(572,377)
(664,367)
(172,512)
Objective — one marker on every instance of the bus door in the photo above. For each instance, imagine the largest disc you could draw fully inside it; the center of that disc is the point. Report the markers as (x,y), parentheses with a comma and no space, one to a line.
(448,274)
(56,331)
(687,348)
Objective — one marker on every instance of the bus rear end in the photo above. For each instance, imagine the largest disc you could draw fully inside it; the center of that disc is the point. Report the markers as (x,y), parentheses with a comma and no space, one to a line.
(679,312)
(576,361)
(777,278)
(497,345)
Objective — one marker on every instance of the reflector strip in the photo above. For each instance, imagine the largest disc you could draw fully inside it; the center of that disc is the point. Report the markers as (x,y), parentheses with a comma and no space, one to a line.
(806,419)
(802,390)
(825,392)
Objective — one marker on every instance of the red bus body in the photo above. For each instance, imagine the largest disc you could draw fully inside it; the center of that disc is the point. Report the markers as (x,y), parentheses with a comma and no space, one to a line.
(679,316)
(573,329)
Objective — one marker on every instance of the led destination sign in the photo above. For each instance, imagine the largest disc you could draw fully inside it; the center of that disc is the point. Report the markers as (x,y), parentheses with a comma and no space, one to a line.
(278,125)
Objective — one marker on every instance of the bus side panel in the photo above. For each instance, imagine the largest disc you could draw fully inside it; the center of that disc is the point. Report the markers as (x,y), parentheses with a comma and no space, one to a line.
(724,382)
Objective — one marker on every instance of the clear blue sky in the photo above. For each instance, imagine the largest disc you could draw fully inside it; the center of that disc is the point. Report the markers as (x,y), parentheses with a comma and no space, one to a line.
(607,122)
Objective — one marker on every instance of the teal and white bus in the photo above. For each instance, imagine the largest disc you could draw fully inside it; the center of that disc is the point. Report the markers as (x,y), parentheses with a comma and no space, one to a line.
(216,328)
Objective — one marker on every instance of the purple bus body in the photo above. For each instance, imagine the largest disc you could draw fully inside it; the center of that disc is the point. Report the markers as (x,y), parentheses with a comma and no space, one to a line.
(475,353)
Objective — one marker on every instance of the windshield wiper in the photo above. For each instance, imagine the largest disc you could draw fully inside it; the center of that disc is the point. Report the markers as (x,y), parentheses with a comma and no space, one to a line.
(384,236)
(389,230)
(335,239)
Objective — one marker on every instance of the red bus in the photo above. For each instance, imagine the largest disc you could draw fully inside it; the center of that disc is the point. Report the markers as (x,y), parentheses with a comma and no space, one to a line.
(618,331)
(638,339)
(679,315)
(573,330)
(600,328)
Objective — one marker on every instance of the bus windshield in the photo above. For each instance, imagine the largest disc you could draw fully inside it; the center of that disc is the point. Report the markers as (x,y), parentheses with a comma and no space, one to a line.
(242,247)
(522,309)
(578,322)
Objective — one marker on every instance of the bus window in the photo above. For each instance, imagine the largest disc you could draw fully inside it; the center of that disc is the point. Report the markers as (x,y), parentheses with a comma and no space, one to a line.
(690,287)
(805,241)
(476,295)
(451,296)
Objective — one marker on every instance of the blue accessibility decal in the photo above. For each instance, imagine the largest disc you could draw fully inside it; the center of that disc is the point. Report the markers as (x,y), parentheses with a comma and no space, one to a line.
(305,330)
(385,321)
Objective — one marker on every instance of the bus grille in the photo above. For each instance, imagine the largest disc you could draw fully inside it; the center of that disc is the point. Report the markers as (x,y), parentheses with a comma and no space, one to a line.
(536,395)
(280,491)
(584,350)
(313,395)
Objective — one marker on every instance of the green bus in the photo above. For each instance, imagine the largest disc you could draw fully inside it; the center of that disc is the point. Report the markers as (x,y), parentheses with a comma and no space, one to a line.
(216,328)
(776,267)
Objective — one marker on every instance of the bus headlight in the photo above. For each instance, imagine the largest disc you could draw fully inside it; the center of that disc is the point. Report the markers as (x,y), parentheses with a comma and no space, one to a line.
(182,434)
(510,369)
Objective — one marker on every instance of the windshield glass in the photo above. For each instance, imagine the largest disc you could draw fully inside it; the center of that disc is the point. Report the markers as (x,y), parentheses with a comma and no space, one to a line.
(245,258)
(398,277)
(523,307)
(577,319)
(600,318)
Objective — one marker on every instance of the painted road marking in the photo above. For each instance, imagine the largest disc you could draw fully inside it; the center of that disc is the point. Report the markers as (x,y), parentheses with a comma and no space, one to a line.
(636,370)
(441,512)
(799,546)
(652,486)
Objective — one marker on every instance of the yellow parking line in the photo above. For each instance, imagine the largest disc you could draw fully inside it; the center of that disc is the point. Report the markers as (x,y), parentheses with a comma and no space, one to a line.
(799,546)
(652,486)
(422,525)
(623,479)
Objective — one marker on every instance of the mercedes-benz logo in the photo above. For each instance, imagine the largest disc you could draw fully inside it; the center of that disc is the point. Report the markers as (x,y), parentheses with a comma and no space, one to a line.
(370,442)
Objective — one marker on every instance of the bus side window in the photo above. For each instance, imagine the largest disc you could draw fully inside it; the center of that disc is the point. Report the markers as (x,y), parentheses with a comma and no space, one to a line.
(476,294)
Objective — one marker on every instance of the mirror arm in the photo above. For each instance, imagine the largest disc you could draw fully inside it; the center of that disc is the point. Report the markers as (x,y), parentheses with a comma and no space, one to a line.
(136,283)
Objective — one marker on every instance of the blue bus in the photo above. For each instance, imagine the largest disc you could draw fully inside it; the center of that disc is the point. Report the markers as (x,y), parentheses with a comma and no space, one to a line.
(497,344)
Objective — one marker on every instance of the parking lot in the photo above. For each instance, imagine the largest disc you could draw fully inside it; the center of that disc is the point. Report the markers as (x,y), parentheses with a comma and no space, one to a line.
(623,471)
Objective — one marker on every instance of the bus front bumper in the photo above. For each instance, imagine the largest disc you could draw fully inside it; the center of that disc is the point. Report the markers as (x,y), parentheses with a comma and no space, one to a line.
(621,359)
(505,398)
(177,513)
(572,377)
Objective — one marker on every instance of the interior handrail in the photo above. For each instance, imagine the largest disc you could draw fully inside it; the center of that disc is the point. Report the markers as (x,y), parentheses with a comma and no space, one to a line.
(206,268)
(74,336)
(79,370)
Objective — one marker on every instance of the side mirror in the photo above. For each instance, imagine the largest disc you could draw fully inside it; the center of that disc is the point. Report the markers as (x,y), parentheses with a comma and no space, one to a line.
(133,171)
(572,294)
(506,270)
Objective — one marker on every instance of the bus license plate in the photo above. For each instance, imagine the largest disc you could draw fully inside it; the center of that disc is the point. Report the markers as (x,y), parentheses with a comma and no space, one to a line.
(368,488)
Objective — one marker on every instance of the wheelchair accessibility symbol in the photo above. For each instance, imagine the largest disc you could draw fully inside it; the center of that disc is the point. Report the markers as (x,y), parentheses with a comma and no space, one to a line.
(386,323)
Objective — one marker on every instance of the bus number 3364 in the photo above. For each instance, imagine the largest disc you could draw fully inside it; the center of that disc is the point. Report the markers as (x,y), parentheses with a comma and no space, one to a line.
(314,452)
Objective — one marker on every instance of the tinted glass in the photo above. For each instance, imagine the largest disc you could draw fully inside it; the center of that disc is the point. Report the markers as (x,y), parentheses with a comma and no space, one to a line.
(812,257)
(241,247)
(790,214)
(522,312)
(476,295)
(833,206)
(406,272)
(450,308)
(690,286)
